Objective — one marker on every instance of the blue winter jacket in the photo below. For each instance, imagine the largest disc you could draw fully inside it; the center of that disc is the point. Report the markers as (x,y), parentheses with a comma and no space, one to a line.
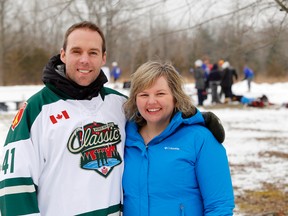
(248,72)
(183,171)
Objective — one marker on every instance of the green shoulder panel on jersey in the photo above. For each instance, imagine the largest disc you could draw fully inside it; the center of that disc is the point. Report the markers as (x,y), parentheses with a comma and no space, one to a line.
(106,91)
(20,192)
(24,119)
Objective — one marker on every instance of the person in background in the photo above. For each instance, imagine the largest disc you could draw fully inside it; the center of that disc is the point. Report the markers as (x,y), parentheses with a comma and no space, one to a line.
(206,65)
(116,71)
(227,80)
(262,101)
(57,161)
(213,80)
(200,82)
(248,75)
(173,164)
(220,63)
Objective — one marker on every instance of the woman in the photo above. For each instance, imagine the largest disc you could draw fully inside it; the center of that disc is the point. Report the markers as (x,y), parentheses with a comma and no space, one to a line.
(173,164)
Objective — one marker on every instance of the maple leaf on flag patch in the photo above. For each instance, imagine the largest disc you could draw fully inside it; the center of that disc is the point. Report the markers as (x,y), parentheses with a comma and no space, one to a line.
(54,119)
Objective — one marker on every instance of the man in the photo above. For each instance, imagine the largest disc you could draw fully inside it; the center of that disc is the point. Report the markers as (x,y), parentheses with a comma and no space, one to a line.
(53,146)
(63,154)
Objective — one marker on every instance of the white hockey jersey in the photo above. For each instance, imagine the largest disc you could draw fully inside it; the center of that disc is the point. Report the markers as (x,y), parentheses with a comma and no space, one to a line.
(64,157)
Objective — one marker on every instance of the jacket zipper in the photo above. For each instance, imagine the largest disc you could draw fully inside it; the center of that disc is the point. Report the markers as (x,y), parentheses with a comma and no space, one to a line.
(182,209)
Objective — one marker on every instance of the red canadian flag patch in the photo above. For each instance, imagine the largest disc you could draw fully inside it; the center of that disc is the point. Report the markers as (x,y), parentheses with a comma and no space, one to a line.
(63,115)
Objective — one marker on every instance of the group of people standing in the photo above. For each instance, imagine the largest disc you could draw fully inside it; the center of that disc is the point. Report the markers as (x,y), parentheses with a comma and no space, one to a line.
(221,74)
(169,153)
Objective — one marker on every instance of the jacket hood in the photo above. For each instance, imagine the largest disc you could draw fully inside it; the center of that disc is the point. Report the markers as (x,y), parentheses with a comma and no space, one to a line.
(54,77)
(177,121)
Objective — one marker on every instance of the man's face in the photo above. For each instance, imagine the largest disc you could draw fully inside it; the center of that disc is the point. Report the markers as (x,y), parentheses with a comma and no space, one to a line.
(83,56)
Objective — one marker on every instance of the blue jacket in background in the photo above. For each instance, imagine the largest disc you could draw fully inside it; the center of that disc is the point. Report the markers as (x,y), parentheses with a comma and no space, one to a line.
(183,171)
(248,72)
(116,72)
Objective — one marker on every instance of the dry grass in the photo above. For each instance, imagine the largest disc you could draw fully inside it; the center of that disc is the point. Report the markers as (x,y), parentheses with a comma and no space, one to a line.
(274,154)
(269,201)
(265,79)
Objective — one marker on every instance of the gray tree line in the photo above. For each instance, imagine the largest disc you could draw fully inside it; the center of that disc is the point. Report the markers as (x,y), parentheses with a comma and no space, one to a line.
(252,32)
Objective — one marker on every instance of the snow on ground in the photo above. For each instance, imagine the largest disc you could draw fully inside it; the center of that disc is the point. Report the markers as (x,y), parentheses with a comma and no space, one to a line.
(251,136)
(255,137)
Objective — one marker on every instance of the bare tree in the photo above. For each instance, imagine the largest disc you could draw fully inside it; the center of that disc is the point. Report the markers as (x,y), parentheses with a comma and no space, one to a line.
(3,13)
(283,4)
(138,30)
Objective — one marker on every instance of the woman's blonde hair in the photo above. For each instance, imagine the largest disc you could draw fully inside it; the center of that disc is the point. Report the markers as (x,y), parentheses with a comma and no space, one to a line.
(145,76)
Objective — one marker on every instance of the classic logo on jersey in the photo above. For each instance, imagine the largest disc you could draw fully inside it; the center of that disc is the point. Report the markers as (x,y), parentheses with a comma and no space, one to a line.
(18,116)
(97,144)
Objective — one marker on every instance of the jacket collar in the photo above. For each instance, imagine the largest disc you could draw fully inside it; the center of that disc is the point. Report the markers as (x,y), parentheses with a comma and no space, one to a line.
(177,121)
(54,77)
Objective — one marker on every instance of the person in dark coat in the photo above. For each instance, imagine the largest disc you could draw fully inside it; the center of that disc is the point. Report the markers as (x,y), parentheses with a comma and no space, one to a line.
(228,75)
(214,79)
(200,82)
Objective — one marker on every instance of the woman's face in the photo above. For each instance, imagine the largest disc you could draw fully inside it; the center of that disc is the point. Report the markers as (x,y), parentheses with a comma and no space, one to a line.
(156,104)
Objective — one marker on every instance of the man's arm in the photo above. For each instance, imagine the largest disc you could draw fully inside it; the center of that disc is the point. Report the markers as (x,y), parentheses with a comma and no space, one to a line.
(18,191)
